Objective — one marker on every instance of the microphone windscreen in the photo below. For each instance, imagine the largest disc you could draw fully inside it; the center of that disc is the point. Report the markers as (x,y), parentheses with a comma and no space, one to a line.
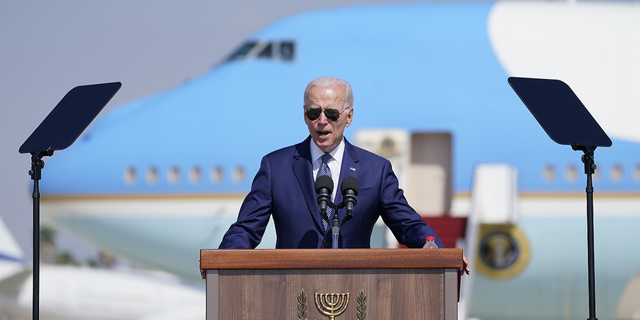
(350,183)
(324,182)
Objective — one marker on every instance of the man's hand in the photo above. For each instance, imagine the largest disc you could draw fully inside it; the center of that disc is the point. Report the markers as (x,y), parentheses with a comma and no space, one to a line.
(203,273)
(465,265)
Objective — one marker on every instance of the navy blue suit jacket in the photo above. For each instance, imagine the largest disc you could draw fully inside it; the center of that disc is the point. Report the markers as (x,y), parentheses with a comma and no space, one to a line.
(284,189)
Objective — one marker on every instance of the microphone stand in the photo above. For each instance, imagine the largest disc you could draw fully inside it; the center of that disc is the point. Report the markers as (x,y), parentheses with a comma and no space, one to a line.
(348,202)
(347,216)
(335,230)
(336,224)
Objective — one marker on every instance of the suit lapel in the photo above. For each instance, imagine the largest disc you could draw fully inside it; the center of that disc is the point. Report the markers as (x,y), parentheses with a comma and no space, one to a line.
(350,168)
(303,171)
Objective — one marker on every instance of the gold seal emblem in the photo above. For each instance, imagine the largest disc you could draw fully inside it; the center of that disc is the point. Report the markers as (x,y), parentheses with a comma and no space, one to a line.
(503,251)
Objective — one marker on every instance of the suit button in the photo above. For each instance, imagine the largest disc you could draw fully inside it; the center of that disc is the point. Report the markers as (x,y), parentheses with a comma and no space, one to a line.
(325,244)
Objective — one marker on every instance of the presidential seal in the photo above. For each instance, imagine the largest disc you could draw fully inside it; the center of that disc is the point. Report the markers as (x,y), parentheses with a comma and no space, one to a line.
(503,251)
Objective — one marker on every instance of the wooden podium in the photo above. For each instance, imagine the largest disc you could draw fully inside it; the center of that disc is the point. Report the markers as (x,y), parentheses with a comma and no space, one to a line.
(316,284)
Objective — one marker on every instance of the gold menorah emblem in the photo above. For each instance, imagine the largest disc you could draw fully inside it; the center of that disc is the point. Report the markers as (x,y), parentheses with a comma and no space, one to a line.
(332,304)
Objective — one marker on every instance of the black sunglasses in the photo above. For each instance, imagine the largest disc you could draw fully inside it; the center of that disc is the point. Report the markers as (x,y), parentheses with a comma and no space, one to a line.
(331,114)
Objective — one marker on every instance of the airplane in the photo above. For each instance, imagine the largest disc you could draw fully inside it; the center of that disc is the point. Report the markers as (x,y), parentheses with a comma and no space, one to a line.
(157,179)
(70,292)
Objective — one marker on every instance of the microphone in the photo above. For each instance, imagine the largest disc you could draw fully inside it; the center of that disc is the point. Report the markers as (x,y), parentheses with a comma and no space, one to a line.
(324,188)
(350,188)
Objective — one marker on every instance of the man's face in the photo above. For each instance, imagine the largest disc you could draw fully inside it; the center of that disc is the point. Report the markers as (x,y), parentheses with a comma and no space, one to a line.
(327,133)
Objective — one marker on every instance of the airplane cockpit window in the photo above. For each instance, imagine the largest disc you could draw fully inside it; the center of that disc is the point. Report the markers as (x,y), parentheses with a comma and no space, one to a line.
(286,51)
(266,52)
(272,50)
(242,52)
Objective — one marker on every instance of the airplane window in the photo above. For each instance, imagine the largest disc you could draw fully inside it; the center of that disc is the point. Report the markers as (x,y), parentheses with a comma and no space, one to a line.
(636,173)
(617,173)
(130,176)
(266,52)
(549,173)
(174,175)
(286,51)
(238,174)
(195,175)
(242,51)
(571,174)
(216,175)
(152,175)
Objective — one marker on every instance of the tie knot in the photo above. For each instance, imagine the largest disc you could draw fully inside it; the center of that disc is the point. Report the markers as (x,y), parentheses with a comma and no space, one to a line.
(326,158)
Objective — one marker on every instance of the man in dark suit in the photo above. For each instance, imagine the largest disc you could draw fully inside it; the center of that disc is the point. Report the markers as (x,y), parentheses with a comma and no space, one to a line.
(284,189)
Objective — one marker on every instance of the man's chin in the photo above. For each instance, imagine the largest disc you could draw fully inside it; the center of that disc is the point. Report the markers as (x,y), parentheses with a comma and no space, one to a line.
(325,147)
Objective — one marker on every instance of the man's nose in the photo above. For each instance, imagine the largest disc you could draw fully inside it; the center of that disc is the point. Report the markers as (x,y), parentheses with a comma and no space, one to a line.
(323,118)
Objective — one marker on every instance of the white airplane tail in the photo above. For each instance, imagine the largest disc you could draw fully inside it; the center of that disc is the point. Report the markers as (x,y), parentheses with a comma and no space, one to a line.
(493,200)
(13,275)
(11,255)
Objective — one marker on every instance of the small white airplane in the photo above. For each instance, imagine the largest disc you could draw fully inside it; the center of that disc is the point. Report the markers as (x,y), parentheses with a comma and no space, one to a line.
(82,293)
(157,179)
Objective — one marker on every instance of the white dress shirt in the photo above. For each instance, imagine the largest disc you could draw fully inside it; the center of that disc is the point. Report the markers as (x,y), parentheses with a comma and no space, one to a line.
(334,164)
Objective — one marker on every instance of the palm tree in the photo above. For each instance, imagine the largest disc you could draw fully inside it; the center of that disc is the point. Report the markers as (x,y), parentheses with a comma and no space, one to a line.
(66,257)
(47,243)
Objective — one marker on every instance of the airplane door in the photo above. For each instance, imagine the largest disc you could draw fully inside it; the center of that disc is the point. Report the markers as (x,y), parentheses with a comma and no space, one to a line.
(421,161)
(429,186)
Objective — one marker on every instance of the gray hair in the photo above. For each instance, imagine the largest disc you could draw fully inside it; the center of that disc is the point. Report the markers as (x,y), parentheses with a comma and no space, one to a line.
(324,82)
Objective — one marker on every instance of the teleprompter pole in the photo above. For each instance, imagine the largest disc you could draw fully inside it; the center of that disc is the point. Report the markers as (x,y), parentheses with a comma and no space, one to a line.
(589,170)
(36,172)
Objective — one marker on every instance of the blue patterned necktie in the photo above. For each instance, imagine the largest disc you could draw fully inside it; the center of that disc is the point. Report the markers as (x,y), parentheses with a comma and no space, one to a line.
(325,171)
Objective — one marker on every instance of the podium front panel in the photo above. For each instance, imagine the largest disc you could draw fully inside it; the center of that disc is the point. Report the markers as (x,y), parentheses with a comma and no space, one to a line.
(373,293)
